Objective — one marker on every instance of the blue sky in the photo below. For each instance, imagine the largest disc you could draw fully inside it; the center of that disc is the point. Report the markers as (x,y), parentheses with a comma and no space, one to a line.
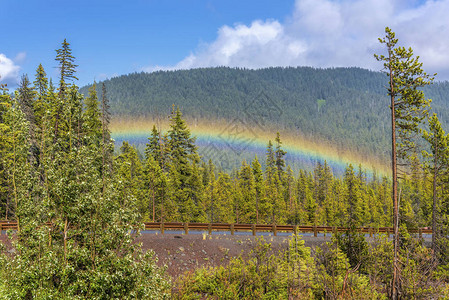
(111,38)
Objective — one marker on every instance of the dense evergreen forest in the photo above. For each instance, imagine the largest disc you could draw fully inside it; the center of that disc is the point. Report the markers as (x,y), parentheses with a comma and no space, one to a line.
(345,106)
(78,205)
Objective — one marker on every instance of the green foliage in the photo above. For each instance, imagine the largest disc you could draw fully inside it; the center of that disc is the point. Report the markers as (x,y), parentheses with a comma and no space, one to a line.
(353,244)
(92,118)
(354,95)
(67,67)
(76,230)
(292,273)
(337,279)
(262,276)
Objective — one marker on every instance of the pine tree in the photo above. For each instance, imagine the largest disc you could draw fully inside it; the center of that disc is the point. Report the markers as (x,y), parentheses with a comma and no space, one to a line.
(270,161)
(5,153)
(247,188)
(352,196)
(105,115)
(41,87)
(26,98)
(408,107)
(279,155)
(221,211)
(74,235)
(439,167)
(92,118)
(107,145)
(258,185)
(130,171)
(155,182)
(155,147)
(66,66)
(183,156)
(67,71)
(210,185)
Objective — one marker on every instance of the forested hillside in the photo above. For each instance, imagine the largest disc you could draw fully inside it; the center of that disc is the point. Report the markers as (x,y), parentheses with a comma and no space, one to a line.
(77,205)
(346,106)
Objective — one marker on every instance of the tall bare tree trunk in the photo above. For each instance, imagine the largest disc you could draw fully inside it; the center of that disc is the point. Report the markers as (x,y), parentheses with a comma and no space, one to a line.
(394,286)
(434,208)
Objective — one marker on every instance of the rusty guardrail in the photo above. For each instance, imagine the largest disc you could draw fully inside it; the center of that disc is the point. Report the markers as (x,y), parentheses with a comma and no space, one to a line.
(254,228)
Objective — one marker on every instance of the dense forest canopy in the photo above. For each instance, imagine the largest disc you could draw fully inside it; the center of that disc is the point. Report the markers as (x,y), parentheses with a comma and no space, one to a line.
(345,106)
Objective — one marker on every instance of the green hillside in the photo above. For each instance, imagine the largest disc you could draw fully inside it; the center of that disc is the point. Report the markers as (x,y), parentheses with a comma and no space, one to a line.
(346,106)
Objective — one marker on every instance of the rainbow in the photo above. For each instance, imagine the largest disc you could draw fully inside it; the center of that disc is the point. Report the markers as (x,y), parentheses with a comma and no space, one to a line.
(222,139)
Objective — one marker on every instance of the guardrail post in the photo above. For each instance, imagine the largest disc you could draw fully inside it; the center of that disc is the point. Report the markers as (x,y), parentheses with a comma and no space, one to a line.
(275,233)
(209,228)
(334,230)
(388,232)
(370,230)
(232,229)
(420,233)
(315,231)
(253,228)
(295,229)
(186,228)
(162,228)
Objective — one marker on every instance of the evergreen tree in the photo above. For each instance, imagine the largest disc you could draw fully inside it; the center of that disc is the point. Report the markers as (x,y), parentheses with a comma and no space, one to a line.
(67,66)
(279,155)
(67,71)
(439,167)
(352,196)
(408,107)
(105,115)
(221,211)
(270,161)
(247,189)
(130,171)
(183,158)
(258,186)
(107,145)
(155,182)
(154,147)
(26,99)
(41,87)
(92,118)
(7,205)
(210,185)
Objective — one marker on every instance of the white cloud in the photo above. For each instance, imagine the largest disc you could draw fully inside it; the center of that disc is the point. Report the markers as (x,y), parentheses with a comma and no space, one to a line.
(20,57)
(9,71)
(325,33)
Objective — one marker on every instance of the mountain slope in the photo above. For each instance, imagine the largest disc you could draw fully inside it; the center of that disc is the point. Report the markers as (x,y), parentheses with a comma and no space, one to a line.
(347,107)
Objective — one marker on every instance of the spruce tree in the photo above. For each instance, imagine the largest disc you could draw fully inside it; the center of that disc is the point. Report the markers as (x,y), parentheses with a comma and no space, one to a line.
(92,118)
(210,185)
(67,71)
(279,155)
(247,189)
(26,98)
(67,67)
(154,147)
(438,166)
(258,185)
(183,156)
(41,87)
(107,145)
(155,185)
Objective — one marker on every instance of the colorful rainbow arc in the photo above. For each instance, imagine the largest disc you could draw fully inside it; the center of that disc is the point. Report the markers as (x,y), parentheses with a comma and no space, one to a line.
(220,137)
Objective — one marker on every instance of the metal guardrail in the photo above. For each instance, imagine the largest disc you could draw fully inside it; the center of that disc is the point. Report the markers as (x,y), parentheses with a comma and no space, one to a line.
(273,228)
(254,228)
